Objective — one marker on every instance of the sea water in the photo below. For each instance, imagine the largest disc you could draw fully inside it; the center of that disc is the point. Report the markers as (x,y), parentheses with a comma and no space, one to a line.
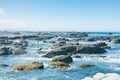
(110,64)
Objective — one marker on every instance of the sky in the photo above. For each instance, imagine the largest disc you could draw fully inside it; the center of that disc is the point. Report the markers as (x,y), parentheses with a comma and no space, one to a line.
(60,15)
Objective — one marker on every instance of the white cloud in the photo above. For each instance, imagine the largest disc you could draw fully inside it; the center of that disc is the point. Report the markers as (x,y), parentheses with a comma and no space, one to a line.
(2,11)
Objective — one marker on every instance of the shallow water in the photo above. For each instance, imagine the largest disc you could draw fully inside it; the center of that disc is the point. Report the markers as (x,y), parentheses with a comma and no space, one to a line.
(110,64)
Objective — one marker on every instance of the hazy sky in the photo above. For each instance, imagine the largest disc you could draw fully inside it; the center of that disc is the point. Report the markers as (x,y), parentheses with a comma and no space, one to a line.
(60,15)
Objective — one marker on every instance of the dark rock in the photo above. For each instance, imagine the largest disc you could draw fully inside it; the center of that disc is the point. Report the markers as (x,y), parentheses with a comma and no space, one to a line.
(76,56)
(4,50)
(64,50)
(62,58)
(4,65)
(90,49)
(103,45)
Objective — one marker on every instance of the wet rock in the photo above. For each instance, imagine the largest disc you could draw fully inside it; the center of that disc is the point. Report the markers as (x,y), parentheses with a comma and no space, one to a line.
(76,56)
(62,58)
(89,39)
(75,35)
(103,45)
(59,65)
(22,43)
(87,66)
(4,50)
(64,50)
(5,42)
(28,66)
(63,39)
(4,65)
(90,49)
(16,50)
(59,44)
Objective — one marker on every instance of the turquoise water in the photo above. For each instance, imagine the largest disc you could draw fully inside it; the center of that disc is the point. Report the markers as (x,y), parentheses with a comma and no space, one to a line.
(105,65)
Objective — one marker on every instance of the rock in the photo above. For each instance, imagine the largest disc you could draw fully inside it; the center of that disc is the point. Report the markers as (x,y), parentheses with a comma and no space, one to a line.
(90,49)
(89,39)
(17,51)
(59,65)
(28,66)
(76,56)
(4,65)
(62,58)
(5,42)
(64,50)
(4,50)
(103,45)
(75,35)
(87,66)
(59,44)
(115,41)
(101,76)
(22,43)
(63,39)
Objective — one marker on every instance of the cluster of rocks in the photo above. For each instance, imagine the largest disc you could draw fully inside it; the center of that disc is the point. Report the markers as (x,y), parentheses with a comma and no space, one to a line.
(74,35)
(98,48)
(15,47)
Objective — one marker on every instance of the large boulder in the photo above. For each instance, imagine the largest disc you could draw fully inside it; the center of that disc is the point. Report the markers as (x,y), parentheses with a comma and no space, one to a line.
(4,50)
(28,66)
(64,50)
(59,65)
(90,49)
(62,58)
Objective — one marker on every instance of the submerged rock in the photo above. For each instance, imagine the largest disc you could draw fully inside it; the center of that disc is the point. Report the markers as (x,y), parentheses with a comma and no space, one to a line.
(4,65)
(87,66)
(62,58)
(28,66)
(59,65)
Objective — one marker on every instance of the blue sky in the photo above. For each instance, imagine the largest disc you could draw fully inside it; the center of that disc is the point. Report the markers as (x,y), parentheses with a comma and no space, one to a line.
(60,15)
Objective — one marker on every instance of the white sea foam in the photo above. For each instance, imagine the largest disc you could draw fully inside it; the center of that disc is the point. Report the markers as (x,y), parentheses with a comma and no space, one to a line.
(102,76)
